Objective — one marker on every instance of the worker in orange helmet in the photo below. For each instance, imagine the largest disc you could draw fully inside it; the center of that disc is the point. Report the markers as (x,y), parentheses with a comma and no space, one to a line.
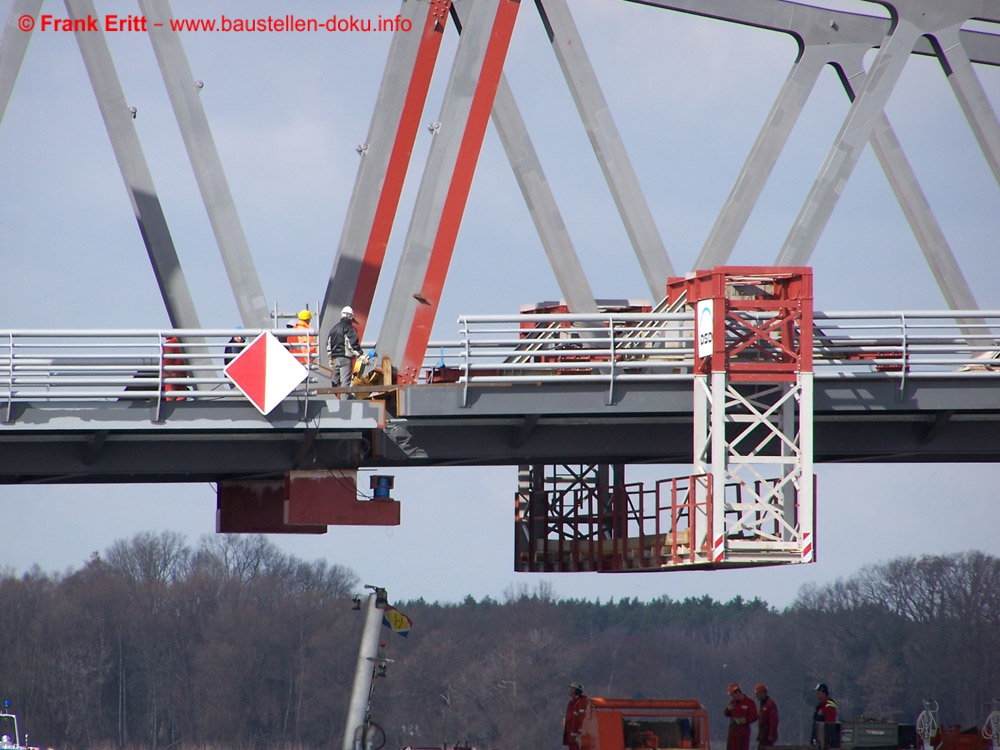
(303,346)
(767,714)
(742,713)
(575,710)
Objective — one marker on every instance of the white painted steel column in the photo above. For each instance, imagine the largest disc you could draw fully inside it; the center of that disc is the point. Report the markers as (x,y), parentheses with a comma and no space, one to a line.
(363,675)
(720,465)
(702,410)
(807,499)
(13,45)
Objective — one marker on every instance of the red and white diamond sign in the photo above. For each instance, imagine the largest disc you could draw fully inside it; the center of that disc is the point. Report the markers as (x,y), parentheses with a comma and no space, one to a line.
(266,372)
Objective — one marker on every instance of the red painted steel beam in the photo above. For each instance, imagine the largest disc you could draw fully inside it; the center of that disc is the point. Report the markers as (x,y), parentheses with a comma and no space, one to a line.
(458,190)
(399,160)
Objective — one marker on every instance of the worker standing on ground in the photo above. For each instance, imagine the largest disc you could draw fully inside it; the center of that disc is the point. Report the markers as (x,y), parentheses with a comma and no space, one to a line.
(742,713)
(574,716)
(342,347)
(767,725)
(826,709)
(304,345)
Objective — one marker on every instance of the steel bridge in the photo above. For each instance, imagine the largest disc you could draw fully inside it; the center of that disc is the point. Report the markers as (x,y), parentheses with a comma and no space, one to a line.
(574,383)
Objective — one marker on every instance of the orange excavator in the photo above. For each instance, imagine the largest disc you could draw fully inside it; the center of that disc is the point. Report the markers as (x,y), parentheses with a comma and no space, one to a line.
(620,724)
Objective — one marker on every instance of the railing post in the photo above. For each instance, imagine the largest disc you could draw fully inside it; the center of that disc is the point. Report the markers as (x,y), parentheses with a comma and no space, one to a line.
(611,385)
(10,379)
(906,357)
(468,361)
(158,417)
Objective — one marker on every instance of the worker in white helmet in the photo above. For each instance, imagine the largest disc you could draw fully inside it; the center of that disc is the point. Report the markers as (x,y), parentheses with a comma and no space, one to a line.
(342,347)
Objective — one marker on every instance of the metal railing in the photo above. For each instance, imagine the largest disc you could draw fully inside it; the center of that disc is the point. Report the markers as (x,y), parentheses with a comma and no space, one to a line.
(607,348)
(650,347)
(126,365)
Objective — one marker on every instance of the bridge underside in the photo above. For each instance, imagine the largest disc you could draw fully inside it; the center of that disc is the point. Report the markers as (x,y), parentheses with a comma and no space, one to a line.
(856,420)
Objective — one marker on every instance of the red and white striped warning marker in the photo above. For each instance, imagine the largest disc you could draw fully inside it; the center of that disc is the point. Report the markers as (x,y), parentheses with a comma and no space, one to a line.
(266,372)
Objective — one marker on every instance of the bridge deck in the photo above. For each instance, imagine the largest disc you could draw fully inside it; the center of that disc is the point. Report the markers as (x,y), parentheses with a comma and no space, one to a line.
(929,390)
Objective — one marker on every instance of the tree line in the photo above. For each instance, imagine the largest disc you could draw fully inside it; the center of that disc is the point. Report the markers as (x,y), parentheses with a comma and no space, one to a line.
(235,644)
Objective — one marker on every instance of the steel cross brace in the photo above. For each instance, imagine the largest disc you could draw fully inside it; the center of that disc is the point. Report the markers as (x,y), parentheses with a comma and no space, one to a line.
(941,21)
(839,39)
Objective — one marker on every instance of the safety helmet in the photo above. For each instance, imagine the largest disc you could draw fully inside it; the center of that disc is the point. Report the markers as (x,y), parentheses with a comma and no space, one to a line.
(760,687)
(578,686)
(347,312)
(734,687)
(823,688)
(305,315)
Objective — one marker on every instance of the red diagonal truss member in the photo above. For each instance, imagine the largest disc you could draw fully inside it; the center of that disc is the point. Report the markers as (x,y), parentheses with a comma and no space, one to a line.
(458,190)
(399,160)
(762,323)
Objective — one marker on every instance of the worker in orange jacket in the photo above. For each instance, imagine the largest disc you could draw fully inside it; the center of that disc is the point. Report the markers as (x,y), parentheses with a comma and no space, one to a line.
(303,346)
(173,357)
(767,714)
(575,710)
(742,713)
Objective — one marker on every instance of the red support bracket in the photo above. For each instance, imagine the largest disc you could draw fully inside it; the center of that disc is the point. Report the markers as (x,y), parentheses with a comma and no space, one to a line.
(303,502)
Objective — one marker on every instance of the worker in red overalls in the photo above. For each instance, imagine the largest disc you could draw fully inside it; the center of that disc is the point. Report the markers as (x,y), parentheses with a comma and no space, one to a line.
(767,726)
(826,710)
(742,713)
(574,716)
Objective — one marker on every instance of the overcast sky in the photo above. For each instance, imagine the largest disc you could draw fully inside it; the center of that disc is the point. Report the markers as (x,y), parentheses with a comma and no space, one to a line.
(287,110)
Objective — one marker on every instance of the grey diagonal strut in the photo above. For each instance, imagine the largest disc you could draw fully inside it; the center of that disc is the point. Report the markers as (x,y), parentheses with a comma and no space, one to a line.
(607,144)
(207,166)
(135,171)
(538,196)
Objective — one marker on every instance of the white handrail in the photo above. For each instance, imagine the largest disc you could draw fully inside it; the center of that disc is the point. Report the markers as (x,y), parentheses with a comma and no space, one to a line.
(111,365)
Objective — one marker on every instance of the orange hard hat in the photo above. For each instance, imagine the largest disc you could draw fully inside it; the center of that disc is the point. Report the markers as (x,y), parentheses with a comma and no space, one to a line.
(760,687)
(734,687)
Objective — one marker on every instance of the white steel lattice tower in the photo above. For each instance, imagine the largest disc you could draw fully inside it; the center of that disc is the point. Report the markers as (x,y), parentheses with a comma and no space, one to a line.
(753,412)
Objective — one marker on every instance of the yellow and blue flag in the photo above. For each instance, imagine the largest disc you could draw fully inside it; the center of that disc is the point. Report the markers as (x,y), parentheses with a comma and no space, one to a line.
(396,621)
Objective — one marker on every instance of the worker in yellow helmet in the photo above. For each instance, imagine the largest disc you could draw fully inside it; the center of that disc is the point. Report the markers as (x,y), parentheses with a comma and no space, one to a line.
(303,346)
